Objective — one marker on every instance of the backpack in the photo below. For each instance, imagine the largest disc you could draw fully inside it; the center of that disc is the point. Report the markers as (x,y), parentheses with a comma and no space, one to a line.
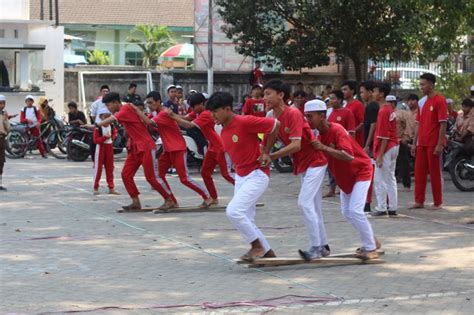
(24,111)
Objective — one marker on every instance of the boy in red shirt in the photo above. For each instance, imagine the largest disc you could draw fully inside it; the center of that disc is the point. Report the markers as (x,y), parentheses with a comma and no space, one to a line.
(174,153)
(385,152)
(296,135)
(31,116)
(215,154)
(255,105)
(142,151)
(240,137)
(352,171)
(345,118)
(104,153)
(430,138)
(349,89)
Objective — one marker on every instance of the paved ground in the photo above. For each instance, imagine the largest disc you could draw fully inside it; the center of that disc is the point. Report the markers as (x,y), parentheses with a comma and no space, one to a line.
(63,249)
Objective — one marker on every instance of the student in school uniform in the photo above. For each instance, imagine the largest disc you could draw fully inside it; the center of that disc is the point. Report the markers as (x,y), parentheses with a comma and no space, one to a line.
(240,137)
(103,138)
(352,170)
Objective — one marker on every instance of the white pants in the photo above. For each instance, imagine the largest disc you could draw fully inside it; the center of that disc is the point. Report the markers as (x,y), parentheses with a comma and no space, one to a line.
(310,203)
(241,209)
(352,207)
(385,182)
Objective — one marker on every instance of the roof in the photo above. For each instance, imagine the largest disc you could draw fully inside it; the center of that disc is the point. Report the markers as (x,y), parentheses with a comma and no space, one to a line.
(178,13)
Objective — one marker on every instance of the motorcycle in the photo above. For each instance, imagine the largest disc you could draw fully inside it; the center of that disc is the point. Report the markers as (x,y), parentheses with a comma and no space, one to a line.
(80,140)
(283,164)
(194,157)
(460,165)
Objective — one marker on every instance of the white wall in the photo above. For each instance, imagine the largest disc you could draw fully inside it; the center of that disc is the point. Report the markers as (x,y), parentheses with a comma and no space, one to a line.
(14,10)
(53,59)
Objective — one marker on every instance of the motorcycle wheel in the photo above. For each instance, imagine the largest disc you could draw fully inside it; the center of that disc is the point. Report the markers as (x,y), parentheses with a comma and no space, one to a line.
(75,153)
(16,145)
(462,177)
(56,144)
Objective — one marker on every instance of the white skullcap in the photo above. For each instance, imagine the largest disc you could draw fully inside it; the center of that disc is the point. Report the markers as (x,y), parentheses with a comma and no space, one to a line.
(315,106)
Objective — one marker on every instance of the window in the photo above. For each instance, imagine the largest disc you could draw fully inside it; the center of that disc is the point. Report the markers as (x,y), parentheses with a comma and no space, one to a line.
(2,33)
(134,58)
(15,33)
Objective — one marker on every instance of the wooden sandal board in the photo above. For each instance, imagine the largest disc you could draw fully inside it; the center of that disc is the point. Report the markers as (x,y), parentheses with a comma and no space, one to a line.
(180,209)
(334,260)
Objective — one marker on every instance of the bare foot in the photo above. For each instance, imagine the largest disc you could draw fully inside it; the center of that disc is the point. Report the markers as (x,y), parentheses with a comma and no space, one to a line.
(270,254)
(215,202)
(253,253)
(113,192)
(206,203)
(168,204)
(329,194)
(435,207)
(132,206)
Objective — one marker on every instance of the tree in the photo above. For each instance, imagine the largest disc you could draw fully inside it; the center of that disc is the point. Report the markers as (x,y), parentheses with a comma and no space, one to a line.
(356,29)
(98,57)
(157,40)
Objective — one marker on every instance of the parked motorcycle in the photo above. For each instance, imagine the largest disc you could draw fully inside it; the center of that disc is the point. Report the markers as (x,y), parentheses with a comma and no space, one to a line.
(460,165)
(80,140)
(194,157)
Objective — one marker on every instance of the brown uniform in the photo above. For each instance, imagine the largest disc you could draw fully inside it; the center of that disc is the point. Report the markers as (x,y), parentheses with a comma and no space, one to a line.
(406,120)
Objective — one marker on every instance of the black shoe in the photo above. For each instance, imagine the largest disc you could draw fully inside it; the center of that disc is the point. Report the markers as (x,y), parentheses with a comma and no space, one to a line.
(392,213)
(378,213)
(367,208)
(2,188)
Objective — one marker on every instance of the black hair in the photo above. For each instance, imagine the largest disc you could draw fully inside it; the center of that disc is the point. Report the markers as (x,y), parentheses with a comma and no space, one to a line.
(300,93)
(155,95)
(368,85)
(72,104)
(132,85)
(299,83)
(328,86)
(256,86)
(467,102)
(412,97)
(429,77)
(351,84)
(196,99)
(220,100)
(279,86)
(105,86)
(112,96)
(338,94)
(138,102)
(258,61)
(383,87)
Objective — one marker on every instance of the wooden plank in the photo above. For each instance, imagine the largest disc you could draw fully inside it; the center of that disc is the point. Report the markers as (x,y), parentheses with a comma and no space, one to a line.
(181,209)
(188,209)
(326,261)
(282,261)
(343,255)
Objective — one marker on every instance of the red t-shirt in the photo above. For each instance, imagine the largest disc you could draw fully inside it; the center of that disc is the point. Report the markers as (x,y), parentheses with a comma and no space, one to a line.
(346,174)
(240,138)
(434,111)
(386,129)
(294,126)
(206,123)
(453,114)
(169,132)
(343,117)
(254,107)
(257,76)
(358,110)
(140,139)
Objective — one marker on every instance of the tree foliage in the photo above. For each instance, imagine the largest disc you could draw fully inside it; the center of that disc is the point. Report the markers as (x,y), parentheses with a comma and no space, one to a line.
(157,39)
(301,33)
(98,57)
